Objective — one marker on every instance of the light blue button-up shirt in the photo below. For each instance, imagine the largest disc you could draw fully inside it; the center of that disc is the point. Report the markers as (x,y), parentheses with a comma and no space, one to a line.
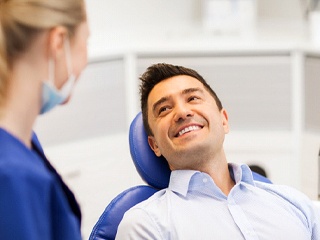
(193,207)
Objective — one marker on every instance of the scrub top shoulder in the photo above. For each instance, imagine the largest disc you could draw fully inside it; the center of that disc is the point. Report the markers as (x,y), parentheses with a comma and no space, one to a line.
(34,201)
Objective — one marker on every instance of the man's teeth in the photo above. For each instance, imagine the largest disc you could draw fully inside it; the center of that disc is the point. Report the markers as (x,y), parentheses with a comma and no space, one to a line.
(188,129)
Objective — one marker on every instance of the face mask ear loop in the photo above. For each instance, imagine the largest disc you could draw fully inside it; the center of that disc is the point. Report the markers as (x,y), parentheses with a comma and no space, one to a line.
(51,68)
(68,56)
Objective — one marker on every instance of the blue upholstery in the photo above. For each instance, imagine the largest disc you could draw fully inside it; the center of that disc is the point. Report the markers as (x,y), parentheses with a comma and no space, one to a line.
(107,225)
(260,178)
(153,170)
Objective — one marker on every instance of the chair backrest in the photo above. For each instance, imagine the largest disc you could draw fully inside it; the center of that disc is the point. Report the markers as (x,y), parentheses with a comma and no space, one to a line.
(107,225)
(153,170)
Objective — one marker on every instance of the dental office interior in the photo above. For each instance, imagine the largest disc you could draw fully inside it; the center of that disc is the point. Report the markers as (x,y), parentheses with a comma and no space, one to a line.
(262,57)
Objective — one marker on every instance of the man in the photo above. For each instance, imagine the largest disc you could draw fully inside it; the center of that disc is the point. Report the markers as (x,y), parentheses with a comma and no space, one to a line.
(207,198)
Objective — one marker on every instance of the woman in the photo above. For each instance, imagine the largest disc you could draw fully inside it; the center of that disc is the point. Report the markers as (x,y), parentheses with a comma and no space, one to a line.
(42,52)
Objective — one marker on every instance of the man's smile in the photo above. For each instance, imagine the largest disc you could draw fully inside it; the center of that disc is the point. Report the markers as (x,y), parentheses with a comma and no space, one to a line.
(188,129)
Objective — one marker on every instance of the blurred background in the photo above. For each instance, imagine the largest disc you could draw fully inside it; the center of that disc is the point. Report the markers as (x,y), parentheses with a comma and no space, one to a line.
(262,57)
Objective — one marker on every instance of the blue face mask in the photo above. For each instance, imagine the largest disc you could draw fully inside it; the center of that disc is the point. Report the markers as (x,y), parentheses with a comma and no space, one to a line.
(51,96)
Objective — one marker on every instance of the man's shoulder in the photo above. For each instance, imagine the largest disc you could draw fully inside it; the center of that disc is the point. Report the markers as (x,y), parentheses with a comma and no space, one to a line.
(153,206)
(292,195)
(154,200)
(285,191)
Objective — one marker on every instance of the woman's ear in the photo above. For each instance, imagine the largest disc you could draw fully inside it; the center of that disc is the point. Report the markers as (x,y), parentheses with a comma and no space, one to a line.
(154,146)
(56,40)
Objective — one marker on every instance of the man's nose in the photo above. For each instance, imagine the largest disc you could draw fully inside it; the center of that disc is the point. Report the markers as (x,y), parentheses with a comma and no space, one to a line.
(182,112)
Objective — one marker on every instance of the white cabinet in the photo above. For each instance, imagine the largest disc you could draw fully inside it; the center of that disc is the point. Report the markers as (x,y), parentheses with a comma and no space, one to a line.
(86,140)
(96,108)
(312,93)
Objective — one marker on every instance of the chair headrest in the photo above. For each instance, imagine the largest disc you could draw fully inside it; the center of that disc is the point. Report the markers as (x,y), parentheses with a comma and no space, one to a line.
(153,170)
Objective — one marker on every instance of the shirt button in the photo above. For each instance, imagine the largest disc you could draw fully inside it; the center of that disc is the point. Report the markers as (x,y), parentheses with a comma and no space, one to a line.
(205,180)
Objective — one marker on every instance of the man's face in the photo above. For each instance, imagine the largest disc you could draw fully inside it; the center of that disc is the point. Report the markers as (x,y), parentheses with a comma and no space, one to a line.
(187,125)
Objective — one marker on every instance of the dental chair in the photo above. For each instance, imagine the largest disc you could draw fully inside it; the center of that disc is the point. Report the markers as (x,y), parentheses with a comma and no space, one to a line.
(153,170)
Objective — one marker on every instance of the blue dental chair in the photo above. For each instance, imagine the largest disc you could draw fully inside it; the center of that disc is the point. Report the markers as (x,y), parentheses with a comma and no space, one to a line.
(152,169)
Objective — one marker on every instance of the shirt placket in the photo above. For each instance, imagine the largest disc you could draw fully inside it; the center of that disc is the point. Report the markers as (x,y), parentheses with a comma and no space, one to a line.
(241,219)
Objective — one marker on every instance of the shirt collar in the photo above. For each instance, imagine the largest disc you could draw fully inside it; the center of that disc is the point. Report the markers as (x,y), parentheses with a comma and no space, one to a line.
(180,180)
(241,173)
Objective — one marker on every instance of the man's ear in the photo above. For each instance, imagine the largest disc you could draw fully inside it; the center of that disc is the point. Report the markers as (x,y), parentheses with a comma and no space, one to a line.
(57,36)
(154,146)
(225,121)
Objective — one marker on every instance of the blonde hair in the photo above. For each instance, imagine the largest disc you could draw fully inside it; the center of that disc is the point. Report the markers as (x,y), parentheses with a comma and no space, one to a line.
(22,20)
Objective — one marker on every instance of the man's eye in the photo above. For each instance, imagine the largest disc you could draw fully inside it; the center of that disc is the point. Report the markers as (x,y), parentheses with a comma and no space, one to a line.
(163,109)
(192,98)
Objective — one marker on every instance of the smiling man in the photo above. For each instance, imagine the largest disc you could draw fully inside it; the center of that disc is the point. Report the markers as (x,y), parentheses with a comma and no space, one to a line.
(207,197)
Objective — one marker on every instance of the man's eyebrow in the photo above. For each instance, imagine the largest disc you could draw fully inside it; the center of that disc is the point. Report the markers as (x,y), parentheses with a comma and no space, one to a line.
(191,90)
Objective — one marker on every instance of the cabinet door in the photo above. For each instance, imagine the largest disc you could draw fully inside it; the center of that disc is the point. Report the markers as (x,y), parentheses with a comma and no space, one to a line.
(311,137)
(312,94)
(96,108)
(255,90)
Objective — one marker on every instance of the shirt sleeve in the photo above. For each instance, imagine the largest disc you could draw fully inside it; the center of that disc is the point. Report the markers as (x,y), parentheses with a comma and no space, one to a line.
(138,224)
(315,223)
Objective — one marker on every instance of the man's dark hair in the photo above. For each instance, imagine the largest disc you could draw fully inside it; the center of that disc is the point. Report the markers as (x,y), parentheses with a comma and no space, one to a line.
(159,72)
